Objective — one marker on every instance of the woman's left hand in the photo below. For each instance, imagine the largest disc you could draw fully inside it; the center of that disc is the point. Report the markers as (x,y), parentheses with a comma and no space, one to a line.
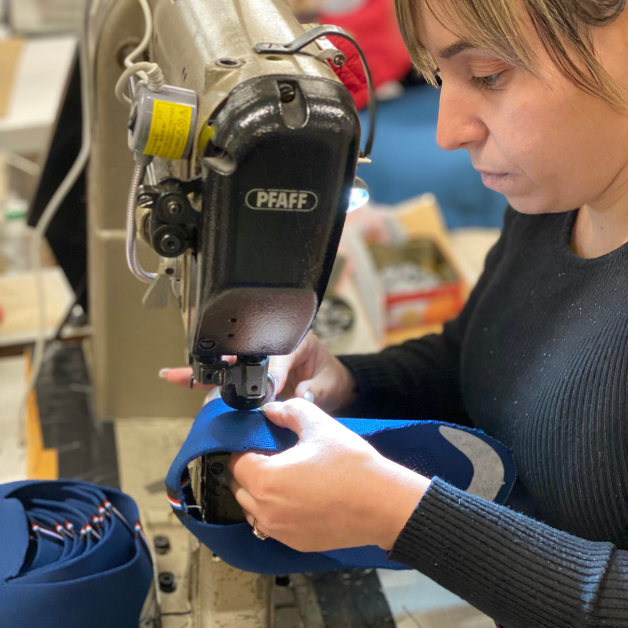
(331,490)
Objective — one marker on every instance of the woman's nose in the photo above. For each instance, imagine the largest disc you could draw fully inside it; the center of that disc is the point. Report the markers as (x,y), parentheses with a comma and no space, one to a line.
(459,123)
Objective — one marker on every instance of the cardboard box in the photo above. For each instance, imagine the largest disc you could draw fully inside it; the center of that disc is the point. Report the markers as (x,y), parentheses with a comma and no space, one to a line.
(420,286)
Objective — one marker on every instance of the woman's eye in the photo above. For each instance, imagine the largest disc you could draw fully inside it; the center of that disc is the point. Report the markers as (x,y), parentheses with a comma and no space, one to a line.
(489,82)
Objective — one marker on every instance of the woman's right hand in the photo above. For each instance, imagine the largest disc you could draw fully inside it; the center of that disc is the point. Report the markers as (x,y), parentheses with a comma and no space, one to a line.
(310,369)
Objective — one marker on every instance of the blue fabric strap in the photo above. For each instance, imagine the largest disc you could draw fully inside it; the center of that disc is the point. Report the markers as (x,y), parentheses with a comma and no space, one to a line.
(466,458)
(72,554)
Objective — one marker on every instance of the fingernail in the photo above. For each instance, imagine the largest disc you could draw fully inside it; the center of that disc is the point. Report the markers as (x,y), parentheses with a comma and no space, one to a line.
(308,396)
(163,373)
(263,409)
(267,406)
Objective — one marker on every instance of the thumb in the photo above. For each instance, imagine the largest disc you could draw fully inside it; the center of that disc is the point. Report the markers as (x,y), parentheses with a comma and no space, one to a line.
(310,390)
(298,415)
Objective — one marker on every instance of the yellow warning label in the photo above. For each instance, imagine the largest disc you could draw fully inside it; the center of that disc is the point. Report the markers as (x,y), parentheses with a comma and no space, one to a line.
(169,130)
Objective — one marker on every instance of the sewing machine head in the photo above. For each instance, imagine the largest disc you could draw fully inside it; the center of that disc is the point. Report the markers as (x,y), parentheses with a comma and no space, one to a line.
(247,240)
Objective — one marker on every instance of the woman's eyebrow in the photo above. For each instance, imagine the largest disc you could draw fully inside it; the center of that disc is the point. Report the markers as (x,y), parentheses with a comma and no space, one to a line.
(454,49)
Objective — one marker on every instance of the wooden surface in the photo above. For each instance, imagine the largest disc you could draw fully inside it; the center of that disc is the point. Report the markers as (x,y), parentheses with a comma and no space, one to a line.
(12,442)
(41,463)
(10,50)
(18,301)
(22,452)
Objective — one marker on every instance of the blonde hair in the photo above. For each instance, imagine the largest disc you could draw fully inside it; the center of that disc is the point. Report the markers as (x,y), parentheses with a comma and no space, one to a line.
(563,26)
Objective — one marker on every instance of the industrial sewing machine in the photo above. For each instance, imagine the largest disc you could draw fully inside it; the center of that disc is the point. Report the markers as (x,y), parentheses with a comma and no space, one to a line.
(245,147)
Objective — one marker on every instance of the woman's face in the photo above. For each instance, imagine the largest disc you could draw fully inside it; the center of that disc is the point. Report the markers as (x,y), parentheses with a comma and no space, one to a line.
(545,144)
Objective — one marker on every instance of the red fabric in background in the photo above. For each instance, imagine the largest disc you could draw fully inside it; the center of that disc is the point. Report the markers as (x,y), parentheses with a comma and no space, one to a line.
(352,72)
(374,26)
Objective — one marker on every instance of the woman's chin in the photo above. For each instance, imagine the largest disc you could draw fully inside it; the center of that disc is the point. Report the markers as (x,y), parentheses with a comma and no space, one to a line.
(534,205)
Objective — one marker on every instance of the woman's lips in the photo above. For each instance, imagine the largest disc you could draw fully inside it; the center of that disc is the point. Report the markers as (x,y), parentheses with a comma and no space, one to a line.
(499,181)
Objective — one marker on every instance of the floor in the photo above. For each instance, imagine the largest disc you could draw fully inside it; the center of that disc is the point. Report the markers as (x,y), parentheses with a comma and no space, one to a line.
(371,599)
(416,601)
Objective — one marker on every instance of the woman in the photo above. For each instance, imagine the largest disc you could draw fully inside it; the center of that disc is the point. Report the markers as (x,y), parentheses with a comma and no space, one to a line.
(537,92)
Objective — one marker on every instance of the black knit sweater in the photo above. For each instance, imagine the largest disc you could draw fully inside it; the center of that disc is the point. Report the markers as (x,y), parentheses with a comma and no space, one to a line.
(539,360)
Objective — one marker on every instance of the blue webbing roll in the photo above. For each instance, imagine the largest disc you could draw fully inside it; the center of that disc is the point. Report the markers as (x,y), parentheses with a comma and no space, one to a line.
(72,554)
(461,456)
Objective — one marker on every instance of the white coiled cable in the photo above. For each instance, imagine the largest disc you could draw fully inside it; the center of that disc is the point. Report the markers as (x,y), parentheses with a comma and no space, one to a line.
(154,79)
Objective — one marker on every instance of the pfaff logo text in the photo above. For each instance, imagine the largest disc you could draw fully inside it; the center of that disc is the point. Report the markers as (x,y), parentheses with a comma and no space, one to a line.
(282,200)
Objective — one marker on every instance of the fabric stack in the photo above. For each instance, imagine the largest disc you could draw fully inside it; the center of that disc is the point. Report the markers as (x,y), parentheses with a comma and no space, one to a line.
(72,554)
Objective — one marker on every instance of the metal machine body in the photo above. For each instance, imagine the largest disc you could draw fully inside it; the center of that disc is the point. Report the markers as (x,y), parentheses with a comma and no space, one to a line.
(274,162)
(240,232)
(259,171)
(263,227)
(279,123)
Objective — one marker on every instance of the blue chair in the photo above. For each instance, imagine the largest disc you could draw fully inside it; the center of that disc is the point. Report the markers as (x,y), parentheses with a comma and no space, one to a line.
(407,162)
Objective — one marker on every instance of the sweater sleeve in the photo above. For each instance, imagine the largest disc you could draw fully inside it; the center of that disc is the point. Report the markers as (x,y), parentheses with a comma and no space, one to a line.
(420,379)
(519,571)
